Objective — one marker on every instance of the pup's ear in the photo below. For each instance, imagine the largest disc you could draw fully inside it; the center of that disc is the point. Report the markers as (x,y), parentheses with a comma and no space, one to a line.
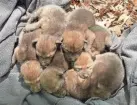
(60,73)
(59,42)
(34,42)
(85,44)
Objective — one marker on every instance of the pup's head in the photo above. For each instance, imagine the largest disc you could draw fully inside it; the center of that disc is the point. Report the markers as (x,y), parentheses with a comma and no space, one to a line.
(30,71)
(73,43)
(46,47)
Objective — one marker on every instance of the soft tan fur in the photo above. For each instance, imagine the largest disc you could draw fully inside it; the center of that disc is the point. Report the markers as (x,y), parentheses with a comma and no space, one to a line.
(31,71)
(50,18)
(25,50)
(73,41)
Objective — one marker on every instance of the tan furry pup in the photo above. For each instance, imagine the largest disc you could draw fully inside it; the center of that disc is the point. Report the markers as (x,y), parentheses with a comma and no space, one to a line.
(25,50)
(80,17)
(76,86)
(103,39)
(52,80)
(84,65)
(31,71)
(46,47)
(107,76)
(72,47)
(50,18)
(78,22)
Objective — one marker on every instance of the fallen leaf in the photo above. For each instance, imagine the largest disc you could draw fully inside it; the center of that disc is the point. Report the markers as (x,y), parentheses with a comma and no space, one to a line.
(111,15)
(129,22)
(116,15)
(123,18)
(116,29)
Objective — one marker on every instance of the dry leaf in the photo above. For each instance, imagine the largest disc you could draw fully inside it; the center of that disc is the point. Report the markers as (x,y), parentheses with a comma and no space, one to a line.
(116,29)
(113,14)
(123,18)
(129,22)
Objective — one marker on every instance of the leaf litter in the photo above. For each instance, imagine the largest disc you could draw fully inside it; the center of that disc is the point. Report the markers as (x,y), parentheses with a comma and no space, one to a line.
(116,15)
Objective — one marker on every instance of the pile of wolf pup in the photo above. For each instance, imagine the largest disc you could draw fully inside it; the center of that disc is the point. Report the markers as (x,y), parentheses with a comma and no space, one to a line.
(67,54)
